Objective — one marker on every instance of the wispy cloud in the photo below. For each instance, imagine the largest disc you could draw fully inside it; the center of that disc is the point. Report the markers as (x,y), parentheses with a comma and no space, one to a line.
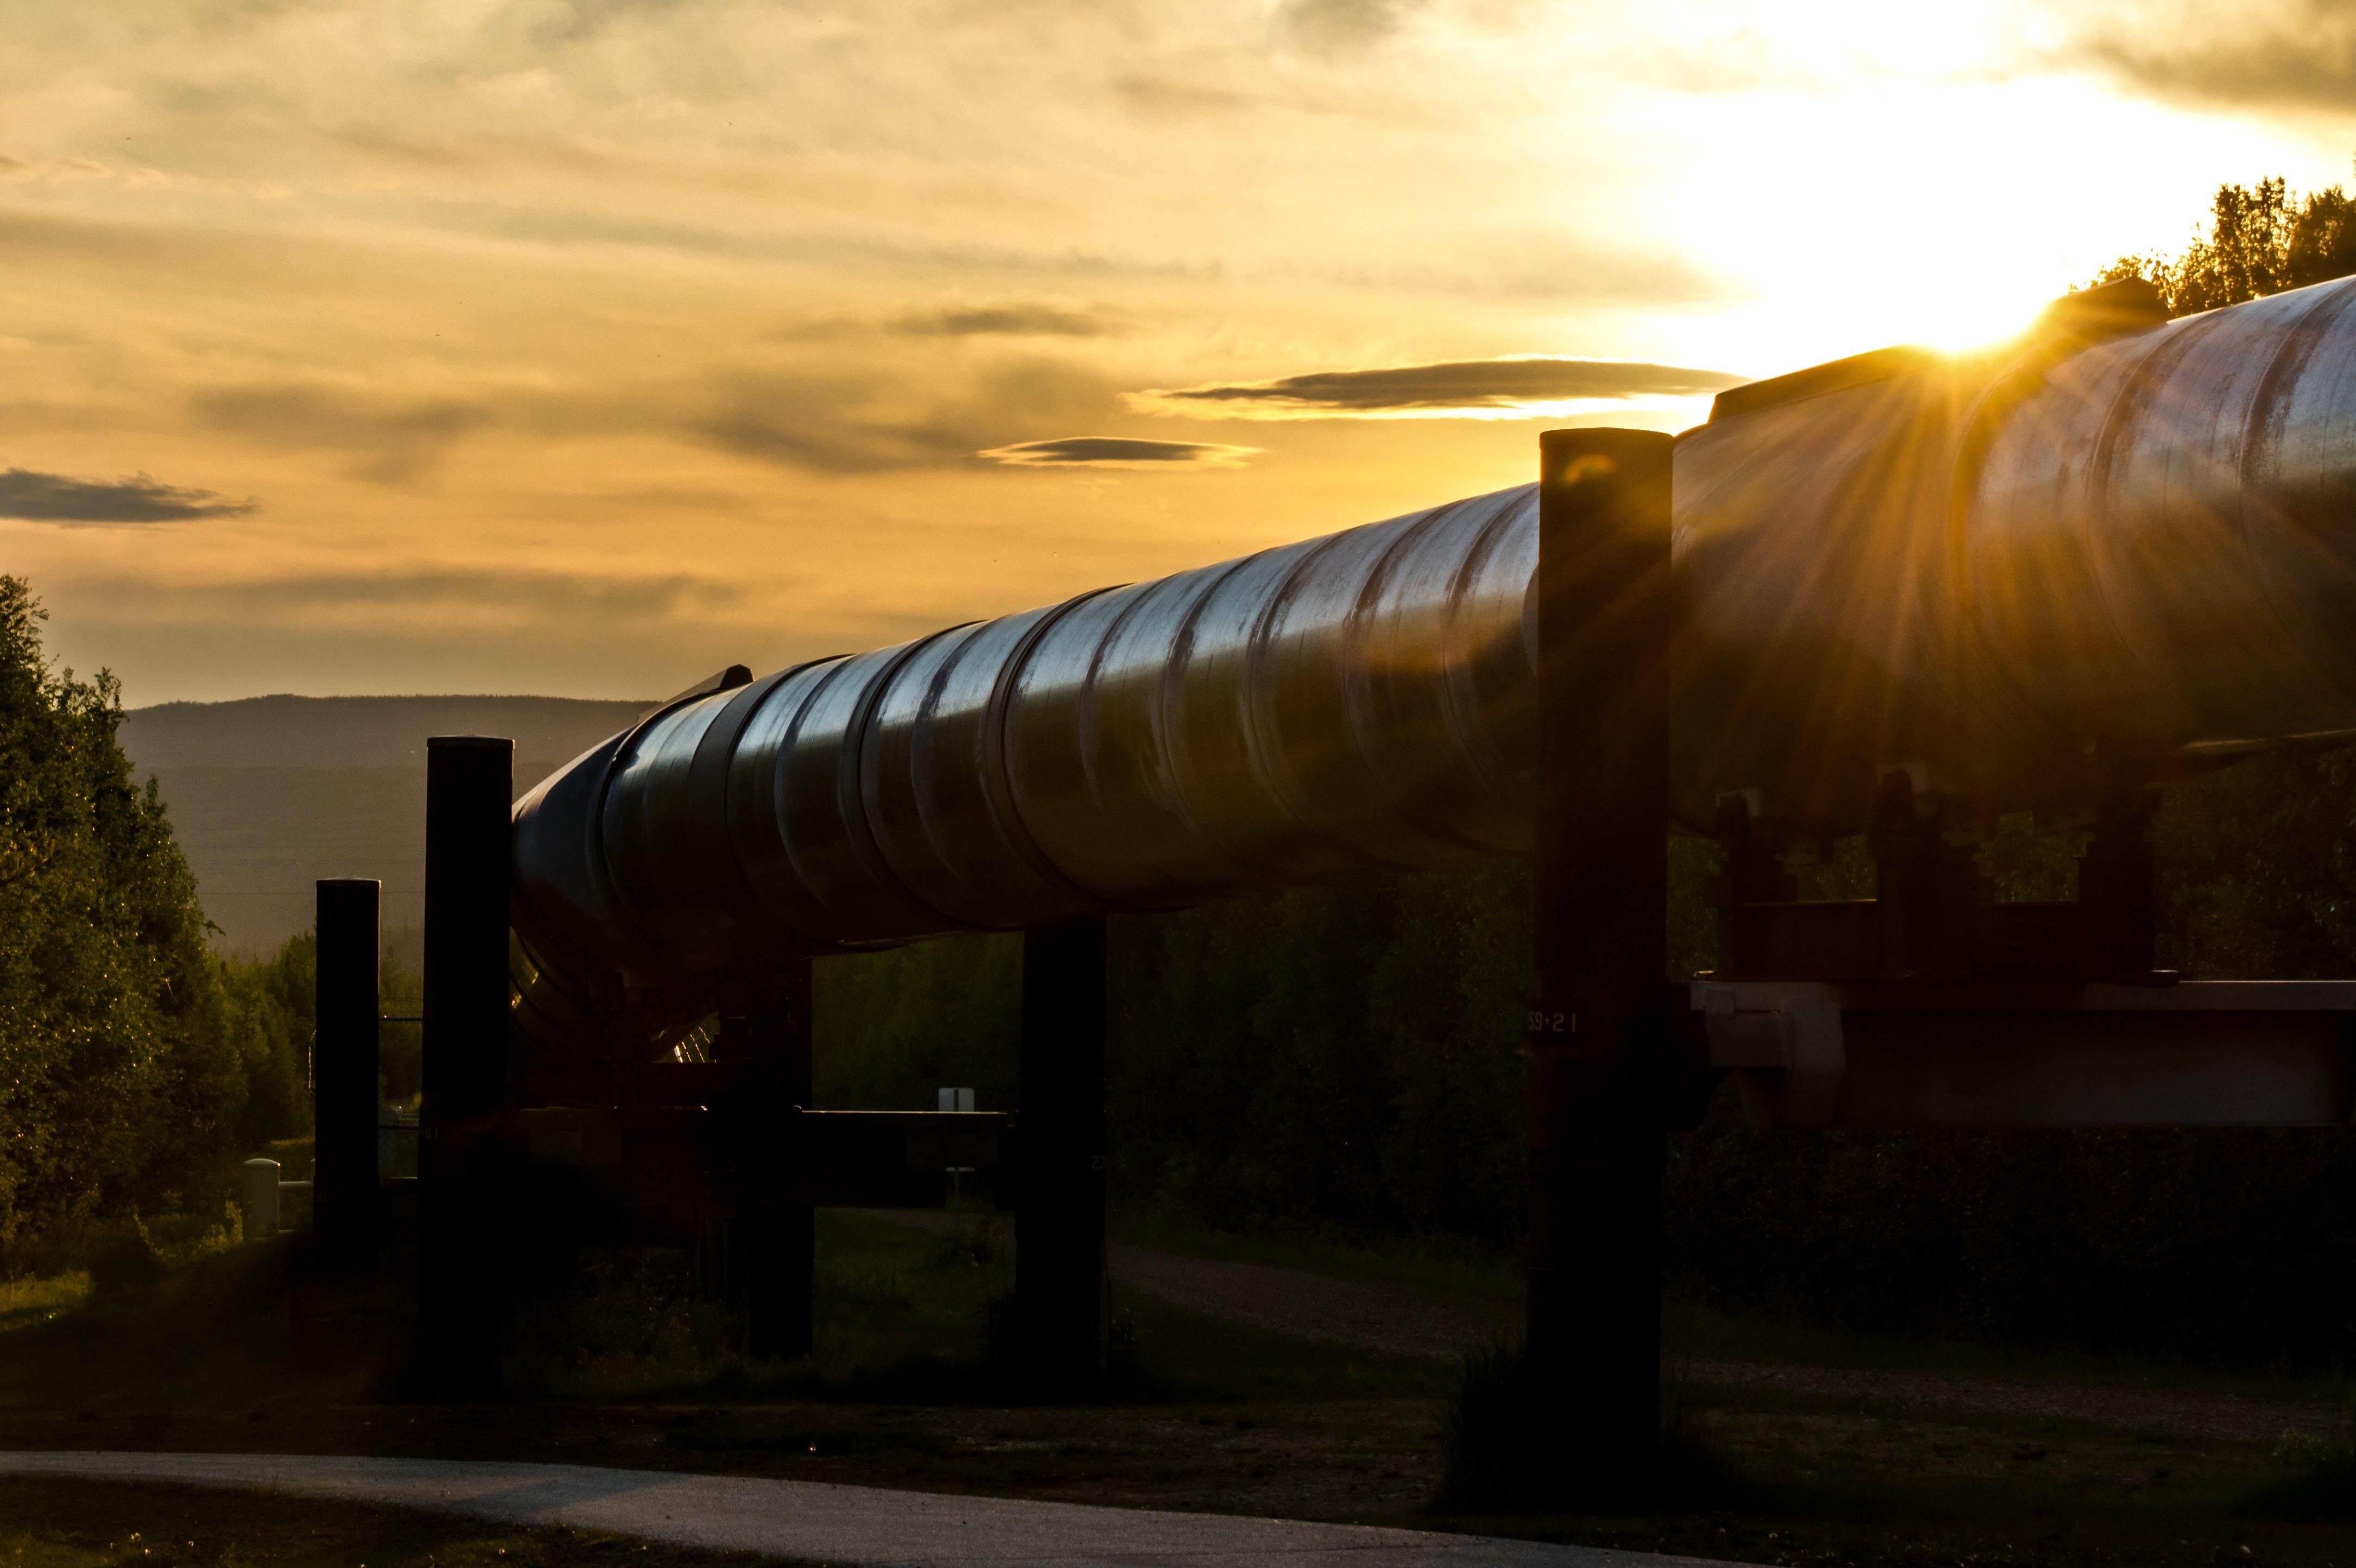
(987,319)
(533,595)
(1119,452)
(538,593)
(390,442)
(1024,318)
(869,423)
(38,497)
(1340,26)
(773,430)
(1460,388)
(2297,54)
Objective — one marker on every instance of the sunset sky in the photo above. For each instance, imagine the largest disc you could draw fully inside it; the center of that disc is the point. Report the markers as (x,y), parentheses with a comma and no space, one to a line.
(581,348)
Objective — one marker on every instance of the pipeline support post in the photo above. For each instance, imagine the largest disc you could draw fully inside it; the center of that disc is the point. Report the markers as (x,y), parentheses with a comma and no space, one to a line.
(774,1244)
(1598,1024)
(465,1189)
(345,1207)
(1059,1215)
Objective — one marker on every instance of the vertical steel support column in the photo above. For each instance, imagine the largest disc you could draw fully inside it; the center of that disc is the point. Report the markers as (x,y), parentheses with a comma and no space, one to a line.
(344,1222)
(463,1188)
(1596,1145)
(2115,917)
(776,1245)
(1059,1215)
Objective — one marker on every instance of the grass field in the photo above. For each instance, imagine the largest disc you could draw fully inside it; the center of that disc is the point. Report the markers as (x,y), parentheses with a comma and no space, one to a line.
(904,1391)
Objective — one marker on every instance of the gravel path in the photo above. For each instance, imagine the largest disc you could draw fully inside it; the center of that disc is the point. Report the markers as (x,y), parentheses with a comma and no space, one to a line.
(1350,1312)
(811,1522)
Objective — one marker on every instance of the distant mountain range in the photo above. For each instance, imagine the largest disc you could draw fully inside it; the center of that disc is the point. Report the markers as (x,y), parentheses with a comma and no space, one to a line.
(270,794)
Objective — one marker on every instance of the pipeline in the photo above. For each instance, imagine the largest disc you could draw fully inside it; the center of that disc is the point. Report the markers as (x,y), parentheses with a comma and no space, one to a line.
(2089,561)
(1358,703)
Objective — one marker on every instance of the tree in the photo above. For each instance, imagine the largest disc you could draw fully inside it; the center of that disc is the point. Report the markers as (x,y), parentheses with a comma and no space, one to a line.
(2262,238)
(123,1091)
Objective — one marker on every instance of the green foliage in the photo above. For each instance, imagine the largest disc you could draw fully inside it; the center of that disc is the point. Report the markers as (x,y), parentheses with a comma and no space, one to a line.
(2260,240)
(400,994)
(2229,1247)
(899,1025)
(2259,865)
(266,1017)
(133,1068)
(1348,1056)
(1344,1055)
(113,1091)
(2030,862)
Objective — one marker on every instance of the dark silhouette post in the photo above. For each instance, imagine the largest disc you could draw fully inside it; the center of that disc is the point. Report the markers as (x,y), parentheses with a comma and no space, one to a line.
(344,1224)
(1605,613)
(464,1187)
(1059,1215)
(775,1244)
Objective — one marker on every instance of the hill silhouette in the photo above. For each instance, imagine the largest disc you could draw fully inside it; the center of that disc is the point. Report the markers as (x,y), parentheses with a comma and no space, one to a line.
(269,793)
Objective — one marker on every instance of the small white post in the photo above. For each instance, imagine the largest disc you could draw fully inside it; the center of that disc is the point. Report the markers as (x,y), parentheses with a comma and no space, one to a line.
(257,1197)
(956,1100)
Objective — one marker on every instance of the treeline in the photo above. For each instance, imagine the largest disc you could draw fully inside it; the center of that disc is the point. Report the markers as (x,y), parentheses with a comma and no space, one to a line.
(2260,239)
(1350,1057)
(136,1066)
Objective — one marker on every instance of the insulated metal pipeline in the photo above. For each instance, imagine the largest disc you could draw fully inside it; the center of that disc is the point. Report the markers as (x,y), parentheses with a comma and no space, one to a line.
(2117,547)
(2031,576)
(1355,703)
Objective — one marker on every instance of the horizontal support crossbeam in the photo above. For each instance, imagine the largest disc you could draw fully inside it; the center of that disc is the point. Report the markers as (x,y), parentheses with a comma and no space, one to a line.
(691,1159)
(1896,1054)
